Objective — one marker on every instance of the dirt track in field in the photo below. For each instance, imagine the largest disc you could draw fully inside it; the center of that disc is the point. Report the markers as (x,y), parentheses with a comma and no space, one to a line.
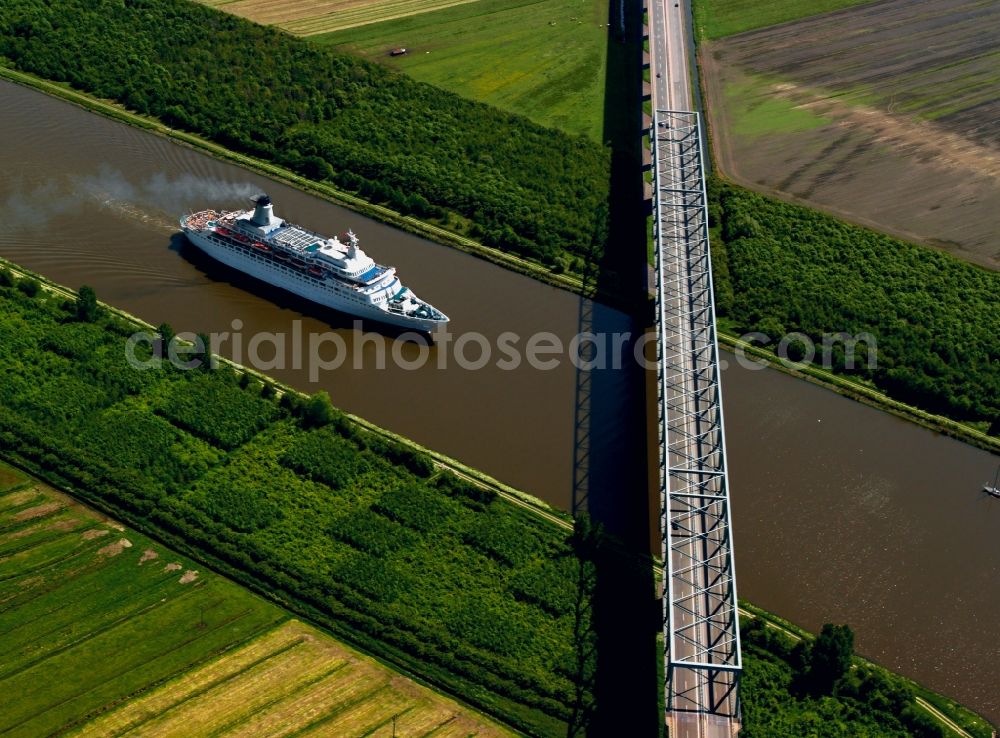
(896,118)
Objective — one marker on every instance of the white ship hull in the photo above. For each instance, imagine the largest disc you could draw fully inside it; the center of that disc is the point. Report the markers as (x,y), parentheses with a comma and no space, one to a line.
(301,285)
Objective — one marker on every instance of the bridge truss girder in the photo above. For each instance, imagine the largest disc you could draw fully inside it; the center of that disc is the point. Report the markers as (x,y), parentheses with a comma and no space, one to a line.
(700,612)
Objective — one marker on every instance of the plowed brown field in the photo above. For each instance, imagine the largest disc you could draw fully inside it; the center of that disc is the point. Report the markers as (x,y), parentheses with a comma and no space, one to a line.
(887,114)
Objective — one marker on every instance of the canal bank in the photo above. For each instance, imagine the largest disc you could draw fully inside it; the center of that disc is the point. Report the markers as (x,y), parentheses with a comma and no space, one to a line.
(516,264)
(623,567)
(97,204)
(865,394)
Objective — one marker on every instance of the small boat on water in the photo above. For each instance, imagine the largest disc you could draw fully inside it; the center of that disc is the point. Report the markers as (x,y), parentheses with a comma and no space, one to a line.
(994,489)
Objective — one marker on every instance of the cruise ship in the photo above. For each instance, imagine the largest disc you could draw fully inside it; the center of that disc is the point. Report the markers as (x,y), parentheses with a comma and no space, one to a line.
(333,272)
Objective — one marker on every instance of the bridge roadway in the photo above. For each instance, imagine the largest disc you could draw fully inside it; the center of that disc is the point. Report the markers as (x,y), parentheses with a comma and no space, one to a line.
(702,660)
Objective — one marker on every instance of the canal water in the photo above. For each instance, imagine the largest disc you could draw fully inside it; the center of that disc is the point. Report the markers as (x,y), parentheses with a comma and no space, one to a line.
(841,513)
(846,514)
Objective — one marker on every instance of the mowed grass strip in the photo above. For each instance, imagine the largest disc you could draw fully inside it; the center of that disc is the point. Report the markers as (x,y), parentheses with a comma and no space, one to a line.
(718,18)
(321,700)
(60,552)
(361,700)
(18,498)
(197,681)
(110,665)
(16,538)
(290,680)
(362,716)
(62,615)
(102,639)
(362,15)
(246,693)
(10,477)
(545,59)
(426,718)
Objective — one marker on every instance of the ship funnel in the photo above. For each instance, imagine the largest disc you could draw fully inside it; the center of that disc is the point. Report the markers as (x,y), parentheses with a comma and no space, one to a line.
(263,214)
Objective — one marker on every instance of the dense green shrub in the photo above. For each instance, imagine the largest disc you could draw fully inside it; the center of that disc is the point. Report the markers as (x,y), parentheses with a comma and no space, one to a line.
(28,286)
(374,576)
(784,268)
(137,439)
(777,703)
(415,506)
(416,462)
(327,457)
(503,538)
(551,586)
(218,411)
(490,628)
(86,308)
(371,534)
(75,340)
(472,593)
(241,508)
(525,188)
(465,492)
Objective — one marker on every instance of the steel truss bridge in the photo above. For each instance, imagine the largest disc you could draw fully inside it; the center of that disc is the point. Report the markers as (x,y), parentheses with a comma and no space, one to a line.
(700,615)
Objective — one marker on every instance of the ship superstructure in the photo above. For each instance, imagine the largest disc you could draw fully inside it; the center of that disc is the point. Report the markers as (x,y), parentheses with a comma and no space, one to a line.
(334,272)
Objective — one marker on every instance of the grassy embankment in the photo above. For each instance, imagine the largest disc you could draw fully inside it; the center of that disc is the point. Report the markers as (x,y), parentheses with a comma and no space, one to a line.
(718,18)
(545,59)
(127,635)
(364,535)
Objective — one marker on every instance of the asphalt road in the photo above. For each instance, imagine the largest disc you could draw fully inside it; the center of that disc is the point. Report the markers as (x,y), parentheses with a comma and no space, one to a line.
(668,55)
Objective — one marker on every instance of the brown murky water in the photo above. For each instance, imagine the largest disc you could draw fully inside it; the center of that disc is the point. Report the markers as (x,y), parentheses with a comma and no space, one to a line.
(846,514)
(842,513)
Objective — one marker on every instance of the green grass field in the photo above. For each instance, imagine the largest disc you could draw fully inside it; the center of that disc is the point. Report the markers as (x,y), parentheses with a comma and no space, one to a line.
(544,59)
(91,613)
(105,632)
(756,111)
(718,18)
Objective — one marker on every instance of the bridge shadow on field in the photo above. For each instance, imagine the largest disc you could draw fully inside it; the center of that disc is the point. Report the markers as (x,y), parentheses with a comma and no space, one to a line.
(610,481)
